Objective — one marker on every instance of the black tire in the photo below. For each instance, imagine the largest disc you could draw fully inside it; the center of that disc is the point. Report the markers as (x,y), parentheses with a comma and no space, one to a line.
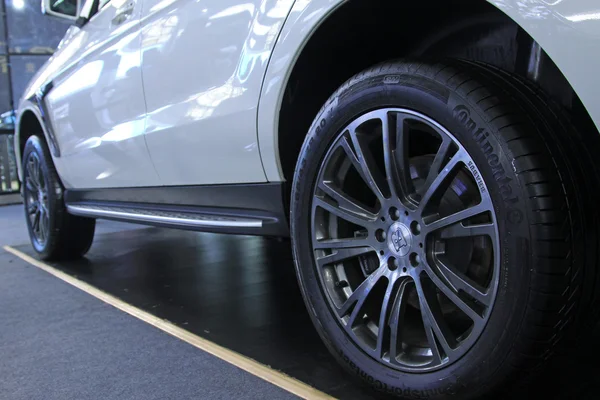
(546,222)
(54,233)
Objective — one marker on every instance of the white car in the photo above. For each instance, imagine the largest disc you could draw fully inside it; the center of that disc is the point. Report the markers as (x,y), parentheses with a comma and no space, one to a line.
(435,163)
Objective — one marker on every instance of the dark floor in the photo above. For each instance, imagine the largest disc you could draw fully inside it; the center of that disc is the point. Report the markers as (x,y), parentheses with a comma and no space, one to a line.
(57,342)
(237,291)
(241,293)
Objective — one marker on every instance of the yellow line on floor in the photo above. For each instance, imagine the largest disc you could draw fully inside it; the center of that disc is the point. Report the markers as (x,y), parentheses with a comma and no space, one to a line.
(247,364)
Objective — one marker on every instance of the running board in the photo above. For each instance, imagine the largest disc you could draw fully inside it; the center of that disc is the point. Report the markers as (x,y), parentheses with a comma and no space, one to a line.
(175,218)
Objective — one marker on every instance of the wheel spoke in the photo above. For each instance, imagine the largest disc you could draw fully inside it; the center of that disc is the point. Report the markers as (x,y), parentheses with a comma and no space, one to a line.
(30,185)
(397,167)
(441,156)
(43,208)
(460,216)
(42,233)
(441,179)
(391,170)
(41,223)
(345,202)
(396,317)
(388,298)
(343,254)
(459,281)
(434,323)
(400,159)
(453,296)
(35,225)
(35,169)
(44,225)
(32,179)
(365,164)
(459,230)
(40,175)
(334,209)
(336,244)
(433,344)
(32,208)
(356,300)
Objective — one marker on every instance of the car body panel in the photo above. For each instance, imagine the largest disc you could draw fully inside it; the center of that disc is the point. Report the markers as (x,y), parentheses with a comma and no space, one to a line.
(214,117)
(304,19)
(568,30)
(96,105)
(203,64)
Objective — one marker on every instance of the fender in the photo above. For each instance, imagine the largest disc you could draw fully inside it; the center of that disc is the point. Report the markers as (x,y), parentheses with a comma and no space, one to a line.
(35,104)
(39,86)
(569,32)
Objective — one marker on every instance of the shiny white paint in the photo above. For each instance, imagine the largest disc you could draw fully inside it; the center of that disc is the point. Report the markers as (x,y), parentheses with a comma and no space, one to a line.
(304,19)
(214,73)
(568,30)
(97,107)
(203,63)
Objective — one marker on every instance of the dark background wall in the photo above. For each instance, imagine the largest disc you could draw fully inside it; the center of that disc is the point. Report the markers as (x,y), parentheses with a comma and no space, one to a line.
(27,39)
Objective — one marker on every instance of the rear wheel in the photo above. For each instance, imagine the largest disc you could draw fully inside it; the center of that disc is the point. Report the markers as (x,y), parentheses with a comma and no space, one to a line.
(433,225)
(53,232)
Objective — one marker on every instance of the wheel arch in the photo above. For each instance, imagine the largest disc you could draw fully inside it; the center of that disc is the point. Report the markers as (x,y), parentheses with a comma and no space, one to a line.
(309,34)
(28,123)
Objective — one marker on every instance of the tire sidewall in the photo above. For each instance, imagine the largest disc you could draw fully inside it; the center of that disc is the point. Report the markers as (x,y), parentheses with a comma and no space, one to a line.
(472,128)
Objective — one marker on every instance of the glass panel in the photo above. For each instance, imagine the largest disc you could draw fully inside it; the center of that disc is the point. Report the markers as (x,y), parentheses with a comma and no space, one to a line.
(30,31)
(22,69)
(5,100)
(9,182)
(65,7)
(3,45)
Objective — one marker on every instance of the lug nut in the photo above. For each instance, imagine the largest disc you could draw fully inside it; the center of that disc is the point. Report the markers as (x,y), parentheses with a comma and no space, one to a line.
(415,259)
(415,228)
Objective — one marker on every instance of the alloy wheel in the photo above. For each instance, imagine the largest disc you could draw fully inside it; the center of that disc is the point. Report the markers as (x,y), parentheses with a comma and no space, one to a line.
(405,240)
(36,196)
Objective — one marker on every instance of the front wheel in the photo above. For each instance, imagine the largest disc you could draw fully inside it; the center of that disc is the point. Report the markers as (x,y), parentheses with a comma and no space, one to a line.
(433,224)
(53,232)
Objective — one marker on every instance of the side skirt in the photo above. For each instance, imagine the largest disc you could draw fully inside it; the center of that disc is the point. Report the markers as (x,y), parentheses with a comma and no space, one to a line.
(253,209)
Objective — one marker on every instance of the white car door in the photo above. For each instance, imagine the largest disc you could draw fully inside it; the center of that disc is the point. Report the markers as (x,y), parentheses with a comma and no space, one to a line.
(203,64)
(96,105)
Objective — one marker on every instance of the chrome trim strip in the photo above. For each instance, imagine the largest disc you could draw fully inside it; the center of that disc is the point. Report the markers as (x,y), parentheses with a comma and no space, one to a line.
(131,216)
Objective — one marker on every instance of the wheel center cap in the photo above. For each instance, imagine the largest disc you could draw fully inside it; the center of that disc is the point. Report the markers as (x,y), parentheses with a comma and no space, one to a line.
(399,239)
